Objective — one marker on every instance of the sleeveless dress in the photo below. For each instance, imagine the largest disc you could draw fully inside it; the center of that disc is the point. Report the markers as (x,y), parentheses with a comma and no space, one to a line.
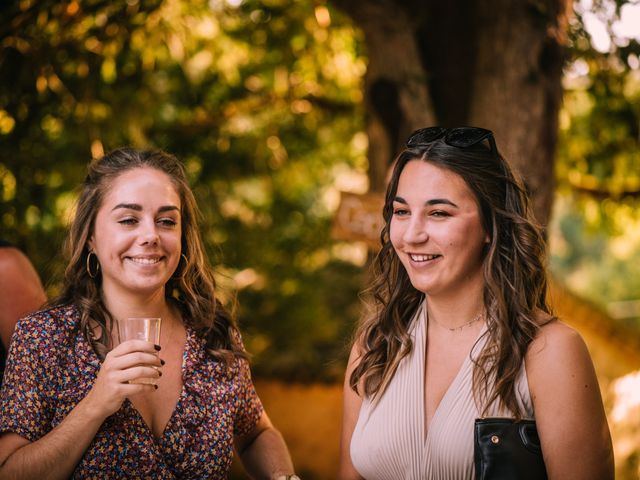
(389,441)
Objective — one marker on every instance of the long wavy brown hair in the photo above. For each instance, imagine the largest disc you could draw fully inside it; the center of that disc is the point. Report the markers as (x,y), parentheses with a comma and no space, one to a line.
(192,287)
(515,282)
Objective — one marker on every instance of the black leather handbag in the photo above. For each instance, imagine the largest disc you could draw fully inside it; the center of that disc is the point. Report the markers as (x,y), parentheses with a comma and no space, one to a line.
(507,450)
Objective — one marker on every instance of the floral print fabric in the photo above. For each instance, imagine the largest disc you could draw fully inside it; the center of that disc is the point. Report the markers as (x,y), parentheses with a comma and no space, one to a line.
(51,367)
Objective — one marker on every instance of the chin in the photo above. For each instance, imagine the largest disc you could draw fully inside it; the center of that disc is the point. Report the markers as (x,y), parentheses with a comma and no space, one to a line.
(148,287)
(421,287)
(421,283)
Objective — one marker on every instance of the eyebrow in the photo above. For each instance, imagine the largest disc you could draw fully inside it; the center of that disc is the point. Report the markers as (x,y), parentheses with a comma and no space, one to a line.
(433,201)
(138,208)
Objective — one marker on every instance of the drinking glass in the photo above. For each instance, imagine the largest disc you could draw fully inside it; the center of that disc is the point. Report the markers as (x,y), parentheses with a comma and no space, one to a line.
(140,328)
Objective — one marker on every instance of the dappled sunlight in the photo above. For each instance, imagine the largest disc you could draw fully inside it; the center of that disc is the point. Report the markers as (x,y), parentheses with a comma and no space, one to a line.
(248,278)
(595,250)
(65,207)
(626,392)
(352,252)
(8,184)
(605,27)
(349,180)
(7,122)
(624,420)
(265,103)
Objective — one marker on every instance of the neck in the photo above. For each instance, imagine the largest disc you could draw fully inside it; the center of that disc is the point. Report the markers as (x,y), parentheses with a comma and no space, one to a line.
(130,305)
(453,313)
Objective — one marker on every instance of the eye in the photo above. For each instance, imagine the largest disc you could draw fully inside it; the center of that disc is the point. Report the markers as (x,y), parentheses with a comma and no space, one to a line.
(440,213)
(401,211)
(167,222)
(128,221)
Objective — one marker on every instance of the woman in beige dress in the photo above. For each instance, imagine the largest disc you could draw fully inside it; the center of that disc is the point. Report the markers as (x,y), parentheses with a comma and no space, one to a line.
(460,327)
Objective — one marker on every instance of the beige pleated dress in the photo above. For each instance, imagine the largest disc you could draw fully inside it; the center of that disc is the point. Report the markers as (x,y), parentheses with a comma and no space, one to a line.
(390,442)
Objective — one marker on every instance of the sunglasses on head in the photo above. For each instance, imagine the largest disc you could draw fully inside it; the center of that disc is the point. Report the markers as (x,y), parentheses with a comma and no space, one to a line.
(460,137)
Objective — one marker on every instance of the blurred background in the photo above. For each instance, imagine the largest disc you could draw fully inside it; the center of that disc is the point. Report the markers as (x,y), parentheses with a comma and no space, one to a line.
(287,114)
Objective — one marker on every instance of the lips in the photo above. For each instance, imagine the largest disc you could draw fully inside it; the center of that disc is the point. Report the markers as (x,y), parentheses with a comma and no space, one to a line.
(417,257)
(144,260)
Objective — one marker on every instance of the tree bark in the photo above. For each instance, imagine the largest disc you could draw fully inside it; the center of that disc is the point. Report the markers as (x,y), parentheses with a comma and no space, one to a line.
(518,87)
(490,63)
(397,99)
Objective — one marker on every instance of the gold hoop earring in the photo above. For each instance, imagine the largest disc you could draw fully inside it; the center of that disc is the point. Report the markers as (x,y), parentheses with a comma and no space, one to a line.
(89,265)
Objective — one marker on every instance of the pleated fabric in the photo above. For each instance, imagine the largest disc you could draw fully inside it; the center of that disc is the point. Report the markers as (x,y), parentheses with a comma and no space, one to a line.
(390,442)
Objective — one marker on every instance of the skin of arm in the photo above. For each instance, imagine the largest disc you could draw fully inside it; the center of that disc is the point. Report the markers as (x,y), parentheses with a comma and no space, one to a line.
(263,452)
(570,416)
(21,291)
(56,454)
(351,403)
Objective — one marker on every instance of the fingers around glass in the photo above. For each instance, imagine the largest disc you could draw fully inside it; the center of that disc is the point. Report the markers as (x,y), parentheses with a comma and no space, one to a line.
(142,374)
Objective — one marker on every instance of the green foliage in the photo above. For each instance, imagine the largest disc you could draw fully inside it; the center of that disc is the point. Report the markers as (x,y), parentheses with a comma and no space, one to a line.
(262,101)
(600,263)
(595,242)
(600,124)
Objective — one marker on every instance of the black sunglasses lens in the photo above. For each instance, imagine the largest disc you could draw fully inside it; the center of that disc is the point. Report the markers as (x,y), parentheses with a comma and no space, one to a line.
(425,135)
(464,137)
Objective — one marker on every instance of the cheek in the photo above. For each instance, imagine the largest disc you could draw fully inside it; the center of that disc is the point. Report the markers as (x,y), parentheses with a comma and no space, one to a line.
(395,229)
(395,235)
(472,239)
(172,241)
(105,242)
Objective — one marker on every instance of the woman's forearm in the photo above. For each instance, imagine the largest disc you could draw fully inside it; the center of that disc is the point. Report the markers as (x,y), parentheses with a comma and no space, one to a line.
(55,455)
(267,457)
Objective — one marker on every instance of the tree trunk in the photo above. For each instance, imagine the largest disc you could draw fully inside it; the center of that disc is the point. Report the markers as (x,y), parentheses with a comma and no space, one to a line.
(490,63)
(396,91)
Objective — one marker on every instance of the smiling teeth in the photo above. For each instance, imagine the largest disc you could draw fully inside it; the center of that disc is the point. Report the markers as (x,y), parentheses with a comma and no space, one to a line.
(145,261)
(422,258)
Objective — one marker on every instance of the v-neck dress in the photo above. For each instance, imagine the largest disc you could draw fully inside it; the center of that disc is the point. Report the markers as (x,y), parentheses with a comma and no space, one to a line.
(51,367)
(389,441)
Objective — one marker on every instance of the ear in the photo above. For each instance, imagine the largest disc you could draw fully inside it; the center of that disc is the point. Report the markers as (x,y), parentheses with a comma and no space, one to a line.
(91,243)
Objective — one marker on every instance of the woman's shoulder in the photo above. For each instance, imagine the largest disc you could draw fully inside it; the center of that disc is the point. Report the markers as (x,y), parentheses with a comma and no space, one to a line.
(51,321)
(557,352)
(553,336)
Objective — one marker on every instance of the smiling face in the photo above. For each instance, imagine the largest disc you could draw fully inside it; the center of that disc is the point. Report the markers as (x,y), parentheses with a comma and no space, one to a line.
(436,230)
(137,233)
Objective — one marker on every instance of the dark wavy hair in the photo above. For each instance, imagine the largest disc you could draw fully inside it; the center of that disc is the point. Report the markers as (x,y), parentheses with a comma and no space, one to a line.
(192,287)
(515,281)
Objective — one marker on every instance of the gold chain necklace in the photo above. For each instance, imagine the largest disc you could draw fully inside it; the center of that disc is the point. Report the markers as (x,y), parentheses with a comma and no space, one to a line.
(461,327)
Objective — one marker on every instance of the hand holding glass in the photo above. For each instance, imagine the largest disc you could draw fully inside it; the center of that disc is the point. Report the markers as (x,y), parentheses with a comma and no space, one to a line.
(140,328)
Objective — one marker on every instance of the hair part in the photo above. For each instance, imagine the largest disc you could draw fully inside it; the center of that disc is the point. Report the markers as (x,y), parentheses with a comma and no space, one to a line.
(192,287)
(515,285)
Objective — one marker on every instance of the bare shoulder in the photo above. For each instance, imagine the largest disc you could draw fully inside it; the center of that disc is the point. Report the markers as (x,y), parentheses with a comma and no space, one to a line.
(568,406)
(19,275)
(558,358)
(356,352)
(555,339)
(355,355)
(12,259)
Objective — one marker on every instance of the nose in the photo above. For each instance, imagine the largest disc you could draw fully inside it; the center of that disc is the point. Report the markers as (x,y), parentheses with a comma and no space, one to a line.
(149,234)
(416,231)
